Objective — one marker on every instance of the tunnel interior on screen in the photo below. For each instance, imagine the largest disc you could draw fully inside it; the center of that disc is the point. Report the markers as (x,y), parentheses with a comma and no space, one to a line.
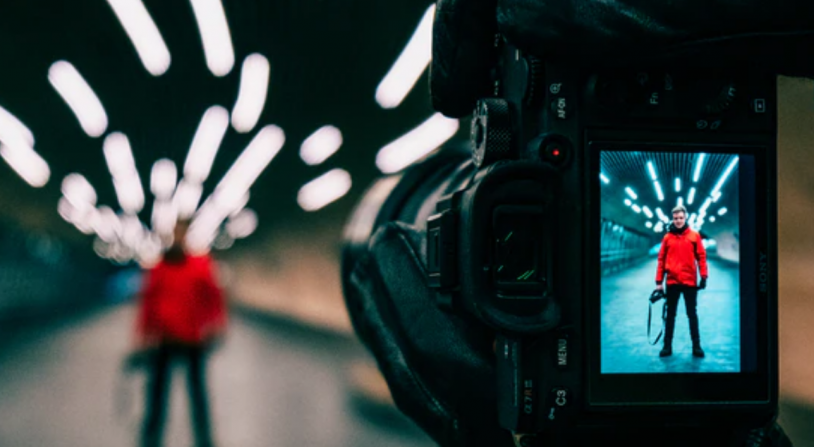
(639,191)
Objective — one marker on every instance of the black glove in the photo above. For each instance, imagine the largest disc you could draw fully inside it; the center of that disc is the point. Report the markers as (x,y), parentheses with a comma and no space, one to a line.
(703,284)
(439,366)
(703,34)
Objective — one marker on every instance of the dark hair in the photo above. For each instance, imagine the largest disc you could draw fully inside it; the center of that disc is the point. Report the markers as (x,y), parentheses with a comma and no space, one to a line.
(680,208)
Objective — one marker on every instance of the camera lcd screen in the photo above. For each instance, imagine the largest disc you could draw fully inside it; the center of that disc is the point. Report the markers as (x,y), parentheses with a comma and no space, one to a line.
(685,221)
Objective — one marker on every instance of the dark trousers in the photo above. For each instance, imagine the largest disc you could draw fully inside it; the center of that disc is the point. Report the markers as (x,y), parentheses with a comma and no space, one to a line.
(158,387)
(690,303)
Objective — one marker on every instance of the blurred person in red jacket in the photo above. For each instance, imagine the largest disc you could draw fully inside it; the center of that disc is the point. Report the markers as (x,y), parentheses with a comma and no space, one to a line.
(181,315)
(681,256)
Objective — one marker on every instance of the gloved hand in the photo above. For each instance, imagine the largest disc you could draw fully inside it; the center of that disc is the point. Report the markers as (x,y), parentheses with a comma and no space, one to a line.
(438,366)
(703,284)
(696,33)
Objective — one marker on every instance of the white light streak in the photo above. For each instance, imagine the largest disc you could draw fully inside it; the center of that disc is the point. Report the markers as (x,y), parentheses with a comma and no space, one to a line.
(144,34)
(320,145)
(712,219)
(76,92)
(28,164)
(636,208)
(631,193)
(659,192)
(409,66)
(122,167)
(691,196)
(663,217)
(129,194)
(215,35)
(254,81)
(242,224)
(164,217)
(78,191)
(678,184)
(420,141)
(249,165)
(652,171)
(724,176)
(323,190)
(604,178)
(628,202)
(706,205)
(186,198)
(12,128)
(163,178)
(680,201)
(648,224)
(647,212)
(205,144)
(699,164)
(722,211)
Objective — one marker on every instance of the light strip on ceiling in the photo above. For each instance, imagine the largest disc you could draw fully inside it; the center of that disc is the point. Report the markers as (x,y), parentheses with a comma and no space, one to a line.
(249,165)
(163,178)
(320,145)
(205,144)
(420,141)
(76,92)
(409,66)
(324,190)
(143,33)
(78,191)
(122,166)
(11,128)
(28,164)
(254,81)
(215,36)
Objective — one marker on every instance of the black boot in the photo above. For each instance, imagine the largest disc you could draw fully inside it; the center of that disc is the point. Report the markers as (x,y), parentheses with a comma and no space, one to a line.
(697,351)
(666,351)
(669,329)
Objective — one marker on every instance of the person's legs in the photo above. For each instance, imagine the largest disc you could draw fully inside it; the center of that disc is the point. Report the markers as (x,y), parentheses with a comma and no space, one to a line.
(672,294)
(156,405)
(691,303)
(196,385)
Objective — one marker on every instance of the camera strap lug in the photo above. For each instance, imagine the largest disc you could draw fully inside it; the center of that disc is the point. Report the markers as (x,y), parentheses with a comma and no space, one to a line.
(442,248)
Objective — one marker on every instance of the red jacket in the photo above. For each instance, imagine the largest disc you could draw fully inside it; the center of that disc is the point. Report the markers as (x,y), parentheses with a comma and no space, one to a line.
(681,256)
(181,302)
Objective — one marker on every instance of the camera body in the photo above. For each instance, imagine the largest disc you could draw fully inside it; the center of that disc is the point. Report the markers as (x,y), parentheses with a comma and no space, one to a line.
(545,237)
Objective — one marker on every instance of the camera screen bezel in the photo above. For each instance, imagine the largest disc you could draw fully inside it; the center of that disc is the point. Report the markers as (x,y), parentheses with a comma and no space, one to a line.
(656,389)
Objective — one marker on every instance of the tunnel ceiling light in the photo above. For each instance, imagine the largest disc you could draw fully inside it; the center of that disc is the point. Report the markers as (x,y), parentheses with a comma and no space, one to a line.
(242,224)
(107,226)
(254,82)
(215,36)
(707,203)
(691,196)
(76,92)
(324,189)
(631,193)
(647,212)
(409,66)
(249,165)
(652,170)
(716,196)
(165,214)
(122,167)
(12,128)
(163,178)
(186,198)
(76,188)
(663,217)
(320,145)
(692,218)
(205,144)
(648,224)
(420,141)
(659,192)
(698,166)
(636,208)
(28,164)
(604,178)
(144,34)
(724,176)
(628,202)
(680,201)
(722,211)
(712,219)
(678,184)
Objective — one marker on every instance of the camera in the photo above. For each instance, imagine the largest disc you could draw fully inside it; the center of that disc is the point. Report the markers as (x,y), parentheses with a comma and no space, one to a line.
(547,230)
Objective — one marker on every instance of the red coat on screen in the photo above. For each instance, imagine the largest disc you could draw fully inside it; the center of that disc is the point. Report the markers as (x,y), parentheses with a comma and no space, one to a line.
(681,256)
(182,302)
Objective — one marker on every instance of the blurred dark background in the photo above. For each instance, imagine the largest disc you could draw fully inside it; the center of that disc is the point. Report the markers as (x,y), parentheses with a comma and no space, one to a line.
(66,294)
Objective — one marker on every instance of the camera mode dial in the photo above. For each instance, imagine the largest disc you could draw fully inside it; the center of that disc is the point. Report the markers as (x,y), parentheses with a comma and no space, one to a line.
(491,135)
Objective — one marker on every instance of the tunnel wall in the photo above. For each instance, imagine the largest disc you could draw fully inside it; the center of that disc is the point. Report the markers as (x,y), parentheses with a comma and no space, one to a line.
(622,247)
(41,276)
